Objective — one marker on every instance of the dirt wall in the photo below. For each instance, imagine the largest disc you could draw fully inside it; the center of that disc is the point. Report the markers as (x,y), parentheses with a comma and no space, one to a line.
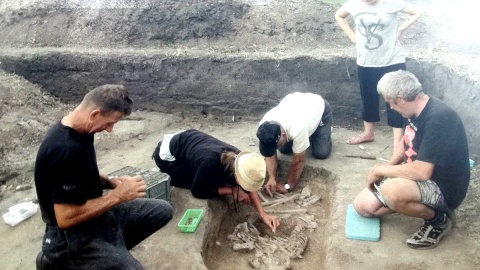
(459,91)
(154,23)
(222,87)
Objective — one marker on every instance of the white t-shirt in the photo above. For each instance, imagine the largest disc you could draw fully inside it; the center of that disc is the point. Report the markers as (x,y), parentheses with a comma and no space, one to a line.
(164,152)
(376,30)
(299,114)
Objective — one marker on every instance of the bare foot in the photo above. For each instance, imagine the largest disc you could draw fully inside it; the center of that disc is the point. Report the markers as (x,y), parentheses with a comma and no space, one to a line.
(361,138)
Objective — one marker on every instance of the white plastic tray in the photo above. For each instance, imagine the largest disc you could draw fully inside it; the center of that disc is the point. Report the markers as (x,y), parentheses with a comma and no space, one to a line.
(20,212)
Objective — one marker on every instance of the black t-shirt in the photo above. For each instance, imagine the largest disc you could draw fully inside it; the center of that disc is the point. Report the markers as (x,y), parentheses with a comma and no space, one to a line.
(438,136)
(66,170)
(199,155)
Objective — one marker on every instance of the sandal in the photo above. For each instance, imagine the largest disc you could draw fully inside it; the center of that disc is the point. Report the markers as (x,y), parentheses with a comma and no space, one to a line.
(361,138)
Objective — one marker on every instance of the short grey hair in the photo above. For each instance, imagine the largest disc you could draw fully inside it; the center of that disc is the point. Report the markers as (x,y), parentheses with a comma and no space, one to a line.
(399,83)
(109,98)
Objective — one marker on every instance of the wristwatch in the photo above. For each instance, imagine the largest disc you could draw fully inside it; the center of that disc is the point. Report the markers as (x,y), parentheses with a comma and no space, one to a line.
(287,187)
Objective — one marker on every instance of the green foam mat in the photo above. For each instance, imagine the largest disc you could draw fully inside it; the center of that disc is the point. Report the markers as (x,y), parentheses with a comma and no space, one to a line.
(361,228)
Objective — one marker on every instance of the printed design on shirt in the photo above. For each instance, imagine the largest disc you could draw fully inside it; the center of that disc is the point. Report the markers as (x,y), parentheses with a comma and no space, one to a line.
(408,137)
(370,25)
(69,187)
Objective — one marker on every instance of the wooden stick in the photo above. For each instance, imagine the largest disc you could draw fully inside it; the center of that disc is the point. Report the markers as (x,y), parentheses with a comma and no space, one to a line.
(384,149)
(362,157)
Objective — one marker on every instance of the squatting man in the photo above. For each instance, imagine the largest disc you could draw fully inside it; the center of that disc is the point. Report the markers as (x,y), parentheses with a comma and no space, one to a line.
(432,175)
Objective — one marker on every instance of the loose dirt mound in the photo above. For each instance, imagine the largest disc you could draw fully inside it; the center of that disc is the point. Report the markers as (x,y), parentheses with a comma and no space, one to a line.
(25,115)
(213,25)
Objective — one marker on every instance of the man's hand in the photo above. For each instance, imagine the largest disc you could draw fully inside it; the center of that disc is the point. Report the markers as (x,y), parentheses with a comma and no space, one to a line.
(281,188)
(116,180)
(271,221)
(125,189)
(373,177)
(271,187)
(130,188)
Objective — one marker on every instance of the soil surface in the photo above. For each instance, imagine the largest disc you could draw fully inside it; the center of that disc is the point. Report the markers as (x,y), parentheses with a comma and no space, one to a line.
(248,28)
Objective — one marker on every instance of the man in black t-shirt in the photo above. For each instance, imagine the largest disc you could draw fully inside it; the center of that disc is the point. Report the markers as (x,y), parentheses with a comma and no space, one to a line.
(84,228)
(432,175)
(211,168)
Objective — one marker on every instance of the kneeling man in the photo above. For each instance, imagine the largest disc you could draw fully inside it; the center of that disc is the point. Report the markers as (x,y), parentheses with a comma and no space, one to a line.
(300,120)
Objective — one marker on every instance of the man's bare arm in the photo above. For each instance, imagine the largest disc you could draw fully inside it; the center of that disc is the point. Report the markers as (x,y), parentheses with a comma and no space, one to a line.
(271,221)
(417,170)
(296,168)
(69,215)
(271,163)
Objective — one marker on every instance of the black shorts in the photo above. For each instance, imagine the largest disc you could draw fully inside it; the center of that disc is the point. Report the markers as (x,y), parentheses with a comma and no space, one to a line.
(368,78)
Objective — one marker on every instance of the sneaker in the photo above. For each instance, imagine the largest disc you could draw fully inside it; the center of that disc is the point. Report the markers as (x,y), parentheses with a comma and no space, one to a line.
(42,262)
(453,218)
(429,235)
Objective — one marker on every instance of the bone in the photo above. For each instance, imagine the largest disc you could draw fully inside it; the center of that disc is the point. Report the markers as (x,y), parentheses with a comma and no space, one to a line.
(262,197)
(286,211)
(298,228)
(280,201)
(305,192)
(280,195)
(279,245)
(245,246)
(310,200)
(297,244)
(309,222)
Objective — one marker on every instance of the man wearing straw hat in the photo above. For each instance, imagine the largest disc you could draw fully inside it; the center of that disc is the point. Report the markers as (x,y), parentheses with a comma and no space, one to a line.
(211,168)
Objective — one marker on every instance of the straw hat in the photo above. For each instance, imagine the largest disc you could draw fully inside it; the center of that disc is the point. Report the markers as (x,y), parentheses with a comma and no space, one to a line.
(250,170)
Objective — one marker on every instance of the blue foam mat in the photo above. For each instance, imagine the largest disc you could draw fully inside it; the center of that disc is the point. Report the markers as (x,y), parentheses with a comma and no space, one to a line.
(361,228)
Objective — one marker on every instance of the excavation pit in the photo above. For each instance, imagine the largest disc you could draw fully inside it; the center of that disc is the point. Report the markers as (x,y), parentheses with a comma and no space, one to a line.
(228,244)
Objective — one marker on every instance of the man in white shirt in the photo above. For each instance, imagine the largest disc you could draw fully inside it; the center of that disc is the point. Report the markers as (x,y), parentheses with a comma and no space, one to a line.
(298,121)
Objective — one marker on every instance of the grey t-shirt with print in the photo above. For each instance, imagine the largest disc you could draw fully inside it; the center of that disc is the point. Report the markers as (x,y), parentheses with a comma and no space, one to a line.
(376,29)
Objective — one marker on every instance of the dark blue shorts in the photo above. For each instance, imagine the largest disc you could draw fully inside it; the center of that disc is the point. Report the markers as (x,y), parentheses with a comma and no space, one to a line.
(368,78)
